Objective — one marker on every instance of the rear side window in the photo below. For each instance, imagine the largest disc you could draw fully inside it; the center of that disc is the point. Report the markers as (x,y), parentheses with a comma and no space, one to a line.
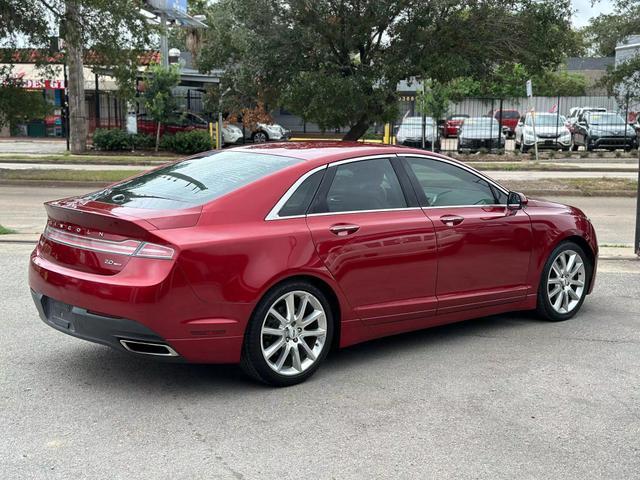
(363,185)
(193,182)
(299,202)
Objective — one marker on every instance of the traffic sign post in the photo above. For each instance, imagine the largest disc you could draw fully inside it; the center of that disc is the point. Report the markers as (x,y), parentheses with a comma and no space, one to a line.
(533,118)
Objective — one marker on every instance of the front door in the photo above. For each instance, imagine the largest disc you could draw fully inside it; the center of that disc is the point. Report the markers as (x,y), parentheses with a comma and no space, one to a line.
(379,248)
(483,247)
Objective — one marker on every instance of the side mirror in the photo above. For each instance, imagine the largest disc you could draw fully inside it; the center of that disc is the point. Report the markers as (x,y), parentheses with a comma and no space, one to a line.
(516,200)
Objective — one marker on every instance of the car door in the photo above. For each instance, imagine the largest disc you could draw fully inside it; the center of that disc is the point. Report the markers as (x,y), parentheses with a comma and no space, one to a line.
(484,248)
(580,130)
(375,240)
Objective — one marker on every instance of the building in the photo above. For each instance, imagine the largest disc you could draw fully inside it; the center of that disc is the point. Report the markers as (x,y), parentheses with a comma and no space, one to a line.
(592,68)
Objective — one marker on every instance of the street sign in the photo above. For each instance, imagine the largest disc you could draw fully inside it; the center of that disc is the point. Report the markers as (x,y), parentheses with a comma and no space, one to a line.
(529,89)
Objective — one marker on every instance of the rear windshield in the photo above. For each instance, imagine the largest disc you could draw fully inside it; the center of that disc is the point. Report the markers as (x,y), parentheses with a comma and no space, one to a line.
(193,182)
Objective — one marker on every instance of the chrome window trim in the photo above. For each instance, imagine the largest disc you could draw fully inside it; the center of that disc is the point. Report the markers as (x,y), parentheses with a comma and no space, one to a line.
(364,211)
(463,167)
(389,155)
(273,213)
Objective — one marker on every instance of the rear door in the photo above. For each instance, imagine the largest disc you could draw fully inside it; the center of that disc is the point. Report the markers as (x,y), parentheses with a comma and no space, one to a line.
(483,247)
(375,240)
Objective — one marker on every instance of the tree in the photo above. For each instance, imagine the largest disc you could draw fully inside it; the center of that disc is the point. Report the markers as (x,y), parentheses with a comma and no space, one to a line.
(508,81)
(108,35)
(624,79)
(16,103)
(158,97)
(339,63)
(605,31)
(434,99)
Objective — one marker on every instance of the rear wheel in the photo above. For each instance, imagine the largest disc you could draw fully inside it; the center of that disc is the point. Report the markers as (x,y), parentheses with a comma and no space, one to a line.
(289,335)
(564,283)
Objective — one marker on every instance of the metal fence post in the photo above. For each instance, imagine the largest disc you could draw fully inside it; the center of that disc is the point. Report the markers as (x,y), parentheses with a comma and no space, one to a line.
(557,118)
(493,100)
(626,119)
(424,130)
(500,125)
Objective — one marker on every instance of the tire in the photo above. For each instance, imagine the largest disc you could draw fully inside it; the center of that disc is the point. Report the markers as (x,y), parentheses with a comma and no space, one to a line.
(563,305)
(259,137)
(523,148)
(573,147)
(587,144)
(262,353)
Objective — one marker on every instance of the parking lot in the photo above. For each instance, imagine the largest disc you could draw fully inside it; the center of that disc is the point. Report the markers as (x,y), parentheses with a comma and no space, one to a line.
(502,397)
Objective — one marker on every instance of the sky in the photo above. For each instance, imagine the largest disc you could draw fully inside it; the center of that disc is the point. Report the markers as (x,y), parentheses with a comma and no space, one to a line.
(584,10)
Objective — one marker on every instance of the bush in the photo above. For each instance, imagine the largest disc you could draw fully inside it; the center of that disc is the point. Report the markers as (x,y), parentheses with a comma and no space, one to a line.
(114,140)
(187,143)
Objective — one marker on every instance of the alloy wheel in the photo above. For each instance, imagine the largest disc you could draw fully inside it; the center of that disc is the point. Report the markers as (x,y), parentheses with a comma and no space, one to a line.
(259,137)
(566,282)
(293,333)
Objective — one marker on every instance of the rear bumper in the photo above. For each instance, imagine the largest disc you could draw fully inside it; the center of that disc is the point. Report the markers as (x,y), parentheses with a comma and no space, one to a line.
(109,331)
(148,305)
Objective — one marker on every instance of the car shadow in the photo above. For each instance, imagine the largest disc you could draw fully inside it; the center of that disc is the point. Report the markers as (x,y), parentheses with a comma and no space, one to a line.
(104,369)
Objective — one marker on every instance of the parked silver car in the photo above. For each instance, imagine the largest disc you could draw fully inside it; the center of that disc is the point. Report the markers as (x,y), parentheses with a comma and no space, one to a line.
(410,133)
(551,132)
(480,133)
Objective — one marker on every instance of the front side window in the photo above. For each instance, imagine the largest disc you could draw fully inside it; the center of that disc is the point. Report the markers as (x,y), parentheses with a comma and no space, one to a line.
(444,184)
(363,185)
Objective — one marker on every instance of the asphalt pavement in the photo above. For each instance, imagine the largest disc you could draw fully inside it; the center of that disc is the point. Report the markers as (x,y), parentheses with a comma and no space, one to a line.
(495,398)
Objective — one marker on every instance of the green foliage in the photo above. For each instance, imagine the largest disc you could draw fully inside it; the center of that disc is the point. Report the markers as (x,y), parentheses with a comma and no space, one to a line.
(339,63)
(157,98)
(434,99)
(114,33)
(508,81)
(18,104)
(187,143)
(605,31)
(116,140)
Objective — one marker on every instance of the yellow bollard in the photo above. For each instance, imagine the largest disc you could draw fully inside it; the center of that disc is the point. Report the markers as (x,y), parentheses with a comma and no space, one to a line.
(386,138)
(211,135)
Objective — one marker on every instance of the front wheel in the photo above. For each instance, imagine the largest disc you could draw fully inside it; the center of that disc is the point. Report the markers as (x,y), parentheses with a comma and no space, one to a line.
(289,335)
(260,137)
(564,283)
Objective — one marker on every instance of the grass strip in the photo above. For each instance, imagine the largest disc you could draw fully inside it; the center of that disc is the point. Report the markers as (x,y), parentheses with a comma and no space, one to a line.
(67,175)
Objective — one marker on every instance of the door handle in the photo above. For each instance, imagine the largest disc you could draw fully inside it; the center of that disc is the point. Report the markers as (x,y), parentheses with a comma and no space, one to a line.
(451,220)
(343,229)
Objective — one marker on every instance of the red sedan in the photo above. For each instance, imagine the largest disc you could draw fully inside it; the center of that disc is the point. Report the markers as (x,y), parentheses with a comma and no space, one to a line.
(271,255)
(452,125)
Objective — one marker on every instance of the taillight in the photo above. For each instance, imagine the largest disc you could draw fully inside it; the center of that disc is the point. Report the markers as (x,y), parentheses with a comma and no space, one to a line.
(130,248)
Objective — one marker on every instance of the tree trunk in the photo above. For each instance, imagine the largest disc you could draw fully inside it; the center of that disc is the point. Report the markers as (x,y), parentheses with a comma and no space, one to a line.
(77,106)
(357,130)
(158,136)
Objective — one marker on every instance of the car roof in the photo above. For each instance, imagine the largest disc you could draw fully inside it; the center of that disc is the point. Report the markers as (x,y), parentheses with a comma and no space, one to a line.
(319,152)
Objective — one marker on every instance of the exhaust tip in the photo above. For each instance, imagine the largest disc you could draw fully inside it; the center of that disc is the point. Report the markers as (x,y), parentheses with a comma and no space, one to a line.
(148,348)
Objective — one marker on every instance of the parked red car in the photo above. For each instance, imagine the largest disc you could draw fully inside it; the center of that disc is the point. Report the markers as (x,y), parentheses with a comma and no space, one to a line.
(270,255)
(452,125)
(509,121)
(182,123)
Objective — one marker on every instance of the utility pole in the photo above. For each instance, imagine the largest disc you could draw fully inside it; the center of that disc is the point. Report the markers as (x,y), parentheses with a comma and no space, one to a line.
(77,107)
(164,42)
